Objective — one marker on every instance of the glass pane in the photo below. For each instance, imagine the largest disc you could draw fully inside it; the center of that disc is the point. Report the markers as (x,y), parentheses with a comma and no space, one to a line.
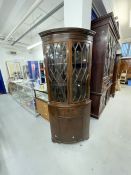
(113,56)
(57,70)
(110,56)
(80,64)
(126,49)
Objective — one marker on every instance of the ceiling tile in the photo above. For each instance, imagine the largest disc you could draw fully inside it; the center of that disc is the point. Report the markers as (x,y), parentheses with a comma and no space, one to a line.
(48,5)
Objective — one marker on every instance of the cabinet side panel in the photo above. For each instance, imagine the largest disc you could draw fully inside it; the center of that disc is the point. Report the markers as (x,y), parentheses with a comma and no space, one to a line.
(98,57)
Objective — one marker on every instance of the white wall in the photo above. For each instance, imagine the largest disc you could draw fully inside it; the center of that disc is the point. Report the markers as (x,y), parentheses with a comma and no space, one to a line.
(108,5)
(78,14)
(37,53)
(22,56)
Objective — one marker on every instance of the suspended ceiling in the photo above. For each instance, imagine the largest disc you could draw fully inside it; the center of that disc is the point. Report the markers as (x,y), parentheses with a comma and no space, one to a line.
(12,11)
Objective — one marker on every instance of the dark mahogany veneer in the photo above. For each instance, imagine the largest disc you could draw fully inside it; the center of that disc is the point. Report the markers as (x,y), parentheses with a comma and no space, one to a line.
(67,56)
(103,59)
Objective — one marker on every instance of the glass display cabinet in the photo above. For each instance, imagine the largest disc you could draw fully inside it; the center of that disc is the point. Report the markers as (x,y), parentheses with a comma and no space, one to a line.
(24,95)
(67,56)
(43,95)
(41,100)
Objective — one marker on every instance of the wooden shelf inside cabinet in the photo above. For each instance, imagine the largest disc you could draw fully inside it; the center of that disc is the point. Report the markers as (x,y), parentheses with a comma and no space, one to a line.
(68,63)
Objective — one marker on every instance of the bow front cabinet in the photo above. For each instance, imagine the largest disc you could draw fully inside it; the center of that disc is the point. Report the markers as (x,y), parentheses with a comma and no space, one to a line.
(67,57)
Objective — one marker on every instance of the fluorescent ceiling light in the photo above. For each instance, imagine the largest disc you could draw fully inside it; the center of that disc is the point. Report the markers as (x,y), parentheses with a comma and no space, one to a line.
(34,45)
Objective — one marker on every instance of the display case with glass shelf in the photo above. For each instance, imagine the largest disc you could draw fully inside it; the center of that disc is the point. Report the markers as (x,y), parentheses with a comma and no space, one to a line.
(24,95)
(67,56)
(41,100)
(43,95)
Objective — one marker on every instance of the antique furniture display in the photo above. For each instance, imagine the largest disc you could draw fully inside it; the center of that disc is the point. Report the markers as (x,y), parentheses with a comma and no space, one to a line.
(67,55)
(41,99)
(125,65)
(115,75)
(123,77)
(103,58)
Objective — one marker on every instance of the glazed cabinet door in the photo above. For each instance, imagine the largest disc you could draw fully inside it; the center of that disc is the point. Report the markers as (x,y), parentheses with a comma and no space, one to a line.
(110,55)
(56,72)
(80,71)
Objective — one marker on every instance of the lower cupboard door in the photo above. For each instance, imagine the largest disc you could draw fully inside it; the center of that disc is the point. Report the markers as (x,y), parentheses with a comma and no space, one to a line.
(71,128)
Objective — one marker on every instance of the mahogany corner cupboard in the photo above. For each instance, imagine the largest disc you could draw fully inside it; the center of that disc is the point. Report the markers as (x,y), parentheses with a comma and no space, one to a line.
(67,56)
(103,59)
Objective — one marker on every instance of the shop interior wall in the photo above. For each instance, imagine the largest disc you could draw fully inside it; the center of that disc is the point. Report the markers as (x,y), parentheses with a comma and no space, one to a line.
(37,52)
(22,56)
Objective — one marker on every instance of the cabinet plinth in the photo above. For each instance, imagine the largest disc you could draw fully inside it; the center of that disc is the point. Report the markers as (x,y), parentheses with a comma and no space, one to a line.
(67,56)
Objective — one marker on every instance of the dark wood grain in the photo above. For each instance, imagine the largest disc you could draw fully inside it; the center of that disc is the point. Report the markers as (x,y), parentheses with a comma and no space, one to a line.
(69,120)
(104,51)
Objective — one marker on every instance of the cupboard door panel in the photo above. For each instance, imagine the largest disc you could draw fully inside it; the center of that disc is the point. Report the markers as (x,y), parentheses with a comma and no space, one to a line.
(80,71)
(57,70)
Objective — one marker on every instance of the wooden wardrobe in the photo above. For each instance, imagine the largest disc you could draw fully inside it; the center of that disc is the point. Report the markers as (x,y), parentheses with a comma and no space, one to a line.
(103,59)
